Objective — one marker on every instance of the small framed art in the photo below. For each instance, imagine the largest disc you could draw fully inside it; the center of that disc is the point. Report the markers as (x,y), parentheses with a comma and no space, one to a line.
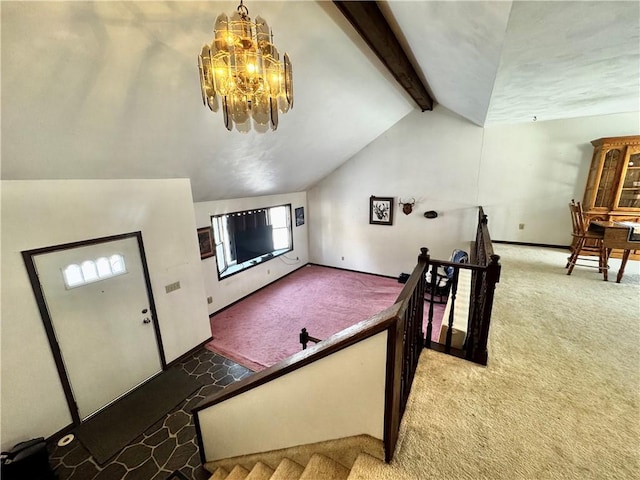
(205,239)
(299,216)
(381,210)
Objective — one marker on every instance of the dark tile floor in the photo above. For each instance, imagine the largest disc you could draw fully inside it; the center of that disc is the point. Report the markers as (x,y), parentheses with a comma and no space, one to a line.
(167,446)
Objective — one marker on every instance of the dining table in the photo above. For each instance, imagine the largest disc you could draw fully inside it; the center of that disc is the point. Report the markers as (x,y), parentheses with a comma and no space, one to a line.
(619,235)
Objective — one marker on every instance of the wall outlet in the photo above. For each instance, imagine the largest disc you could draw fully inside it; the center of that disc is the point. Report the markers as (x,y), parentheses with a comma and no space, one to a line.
(268,272)
(209,300)
(521,226)
(342,258)
(172,287)
(297,258)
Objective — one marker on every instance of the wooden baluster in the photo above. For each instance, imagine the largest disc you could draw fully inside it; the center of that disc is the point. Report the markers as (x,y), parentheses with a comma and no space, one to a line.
(454,291)
(432,288)
(416,328)
(407,343)
(419,299)
(477,289)
(418,340)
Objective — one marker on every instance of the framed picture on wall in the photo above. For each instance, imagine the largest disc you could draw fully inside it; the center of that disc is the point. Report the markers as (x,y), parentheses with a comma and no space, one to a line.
(205,239)
(299,216)
(381,210)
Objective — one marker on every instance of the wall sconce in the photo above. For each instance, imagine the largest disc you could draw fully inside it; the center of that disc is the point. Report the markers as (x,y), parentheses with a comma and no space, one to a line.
(407,207)
(431,214)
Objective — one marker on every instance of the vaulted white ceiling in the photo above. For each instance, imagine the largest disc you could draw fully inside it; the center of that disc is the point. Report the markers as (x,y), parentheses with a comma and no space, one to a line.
(111,89)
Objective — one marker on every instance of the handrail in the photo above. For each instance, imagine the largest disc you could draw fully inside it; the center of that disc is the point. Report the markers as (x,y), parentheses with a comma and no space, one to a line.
(483,247)
(447,263)
(343,339)
(403,323)
(483,290)
(405,344)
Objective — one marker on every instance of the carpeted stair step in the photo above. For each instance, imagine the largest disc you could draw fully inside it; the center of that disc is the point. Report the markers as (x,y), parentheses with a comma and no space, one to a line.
(324,468)
(260,471)
(287,470)
(342,450)
(238,473)
(219,474)
(364,467)
(289,462)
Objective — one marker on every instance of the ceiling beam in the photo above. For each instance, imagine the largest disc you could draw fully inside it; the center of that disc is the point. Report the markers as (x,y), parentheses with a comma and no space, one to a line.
(369,22)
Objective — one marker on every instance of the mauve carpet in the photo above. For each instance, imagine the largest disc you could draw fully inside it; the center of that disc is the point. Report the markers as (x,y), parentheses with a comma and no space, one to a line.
(264,328)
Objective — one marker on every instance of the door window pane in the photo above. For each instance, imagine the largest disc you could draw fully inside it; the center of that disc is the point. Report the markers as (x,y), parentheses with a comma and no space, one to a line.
(73,275)
(89,271)
(117,264)
(93,270)
(104,267)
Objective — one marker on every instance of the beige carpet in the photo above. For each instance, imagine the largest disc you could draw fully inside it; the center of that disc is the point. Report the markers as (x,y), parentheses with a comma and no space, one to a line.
(560,396)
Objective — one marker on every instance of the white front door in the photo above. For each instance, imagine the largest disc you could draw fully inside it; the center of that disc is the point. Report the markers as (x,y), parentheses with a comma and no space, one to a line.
(103,327)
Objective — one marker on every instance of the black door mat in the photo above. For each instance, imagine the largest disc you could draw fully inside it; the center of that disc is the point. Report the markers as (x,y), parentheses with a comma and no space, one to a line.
(112,429)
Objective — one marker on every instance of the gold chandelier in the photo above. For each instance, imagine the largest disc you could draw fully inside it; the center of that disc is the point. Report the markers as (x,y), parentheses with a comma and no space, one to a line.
(241,72)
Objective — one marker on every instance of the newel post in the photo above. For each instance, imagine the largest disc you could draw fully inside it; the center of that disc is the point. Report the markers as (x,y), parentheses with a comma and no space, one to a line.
(304,338)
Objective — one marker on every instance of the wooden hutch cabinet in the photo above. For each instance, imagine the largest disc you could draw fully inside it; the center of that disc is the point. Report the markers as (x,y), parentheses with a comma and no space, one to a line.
(613,185)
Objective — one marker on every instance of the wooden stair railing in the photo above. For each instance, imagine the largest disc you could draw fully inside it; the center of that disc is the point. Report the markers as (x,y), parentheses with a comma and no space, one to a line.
(402,323)
(412,299)
(482,291)
(485,269)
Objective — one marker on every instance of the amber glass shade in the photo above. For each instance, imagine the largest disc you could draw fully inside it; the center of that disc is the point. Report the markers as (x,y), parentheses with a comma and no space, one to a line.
(241,72)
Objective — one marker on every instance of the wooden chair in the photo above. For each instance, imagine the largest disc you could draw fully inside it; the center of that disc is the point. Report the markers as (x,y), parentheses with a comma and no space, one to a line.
(586,243)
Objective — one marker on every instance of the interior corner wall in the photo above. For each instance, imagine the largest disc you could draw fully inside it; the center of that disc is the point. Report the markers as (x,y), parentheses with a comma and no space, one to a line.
(429,156)
(46,213)
(531,171)
(521,174)
(230,289)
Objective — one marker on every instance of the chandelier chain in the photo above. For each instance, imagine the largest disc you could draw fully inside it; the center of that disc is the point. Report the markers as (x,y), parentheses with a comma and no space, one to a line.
(242,10)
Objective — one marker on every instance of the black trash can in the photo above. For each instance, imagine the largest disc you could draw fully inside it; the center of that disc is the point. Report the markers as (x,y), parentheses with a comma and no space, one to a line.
(27,460)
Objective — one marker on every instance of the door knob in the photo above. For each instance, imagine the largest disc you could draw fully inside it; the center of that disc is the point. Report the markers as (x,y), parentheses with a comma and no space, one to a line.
(146,320)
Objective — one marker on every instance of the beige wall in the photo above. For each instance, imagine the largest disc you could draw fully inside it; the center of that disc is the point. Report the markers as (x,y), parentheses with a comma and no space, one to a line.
(430,156)
(241,284)
(523,173)
(339,396)
(530,172)
(45,213)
